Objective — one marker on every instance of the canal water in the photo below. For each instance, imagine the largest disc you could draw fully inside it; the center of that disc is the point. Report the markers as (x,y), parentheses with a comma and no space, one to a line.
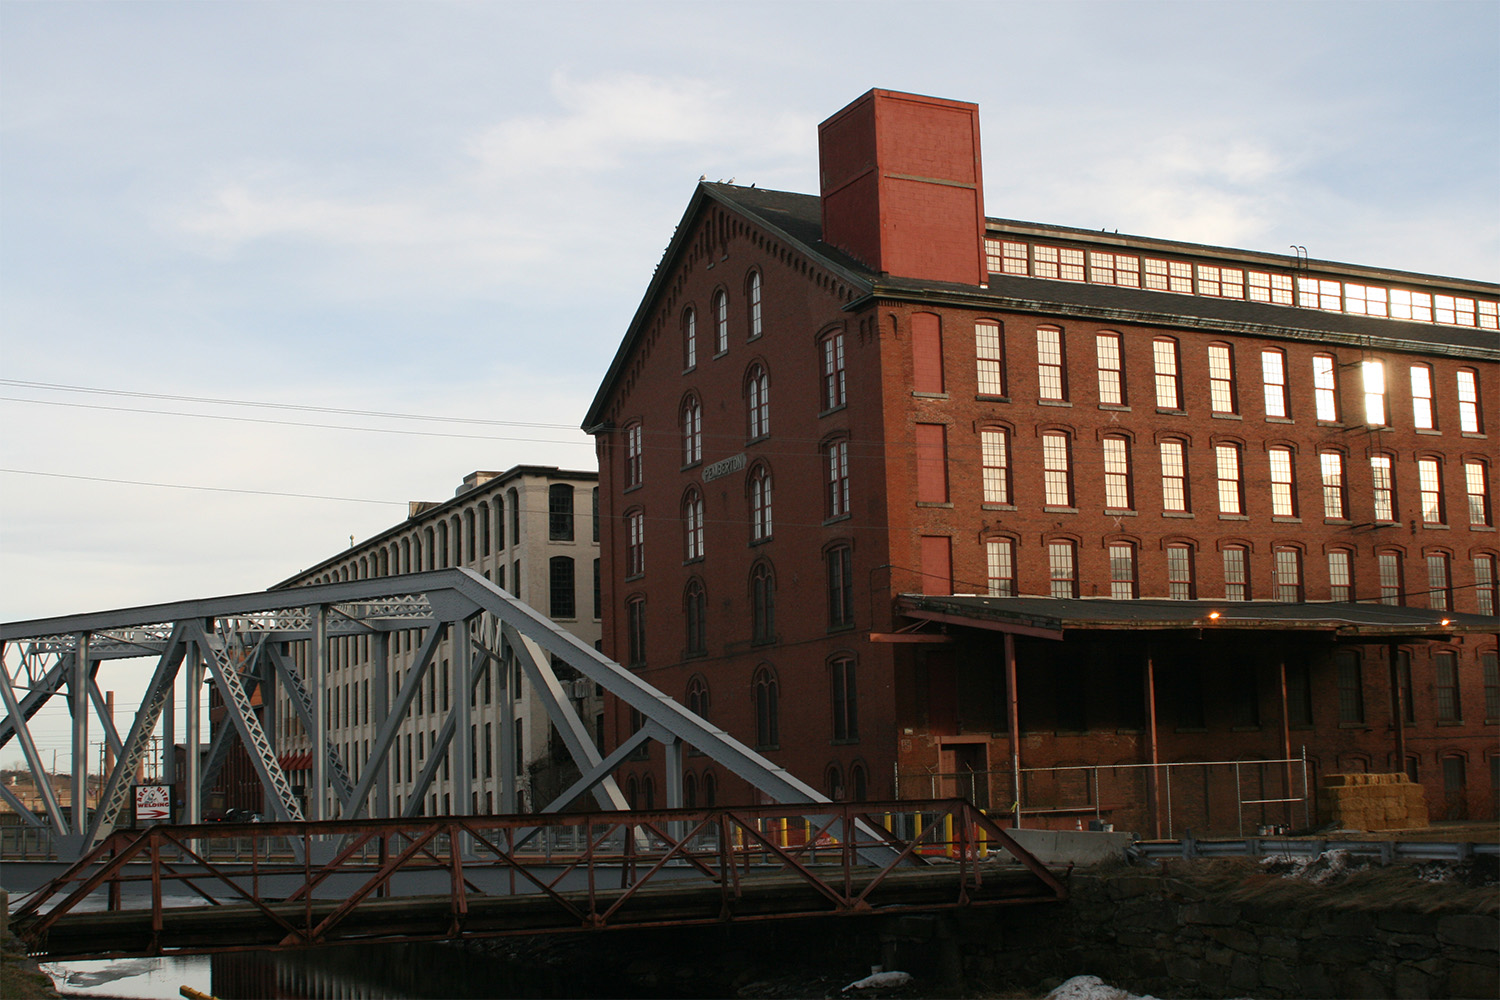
(352,972)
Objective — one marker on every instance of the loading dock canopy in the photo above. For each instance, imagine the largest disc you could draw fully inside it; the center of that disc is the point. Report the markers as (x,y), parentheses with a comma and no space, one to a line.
(1051,617)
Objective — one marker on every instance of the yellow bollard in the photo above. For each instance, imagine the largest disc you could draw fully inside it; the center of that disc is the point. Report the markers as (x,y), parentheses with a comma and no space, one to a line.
(917,826)
(887,822)
(983,837)
(952,849)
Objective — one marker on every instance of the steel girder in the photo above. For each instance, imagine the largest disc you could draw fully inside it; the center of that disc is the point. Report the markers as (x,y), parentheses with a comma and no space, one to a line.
(248,634)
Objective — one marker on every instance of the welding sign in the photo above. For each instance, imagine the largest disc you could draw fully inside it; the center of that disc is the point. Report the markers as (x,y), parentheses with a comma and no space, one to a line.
(153,804)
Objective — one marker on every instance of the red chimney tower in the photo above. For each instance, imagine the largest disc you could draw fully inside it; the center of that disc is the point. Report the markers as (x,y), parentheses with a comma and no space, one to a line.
(902,186)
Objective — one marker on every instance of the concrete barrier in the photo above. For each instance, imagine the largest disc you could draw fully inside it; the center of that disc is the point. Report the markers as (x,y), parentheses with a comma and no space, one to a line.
(1079,847)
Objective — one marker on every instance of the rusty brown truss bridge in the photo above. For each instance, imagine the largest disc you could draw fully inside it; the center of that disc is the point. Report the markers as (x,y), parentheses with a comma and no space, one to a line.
(221,887)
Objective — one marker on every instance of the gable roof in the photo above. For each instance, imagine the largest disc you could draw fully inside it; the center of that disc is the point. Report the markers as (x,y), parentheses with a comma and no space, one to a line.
(797,220)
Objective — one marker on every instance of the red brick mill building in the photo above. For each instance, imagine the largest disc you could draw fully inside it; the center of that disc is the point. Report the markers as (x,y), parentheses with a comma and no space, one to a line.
(905,496)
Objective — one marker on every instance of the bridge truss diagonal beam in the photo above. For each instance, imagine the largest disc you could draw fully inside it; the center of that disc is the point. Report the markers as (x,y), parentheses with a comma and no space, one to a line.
(485,625)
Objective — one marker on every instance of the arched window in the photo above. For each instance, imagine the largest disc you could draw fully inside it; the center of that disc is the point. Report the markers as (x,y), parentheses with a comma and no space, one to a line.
(431,561)
(859,782)
(690,791)
(1168,378)
(560,512)
(689,338)
(499,524)
(697,696)
(833,781)
(1325,387)
(471,536)
(692,524)
(752,296)
(1118,487)
(710,790)
(648,791)
(635,542)
(845,698)
(694,609)
(442,543)
(833,370)
(760,503)
(721,322)
(692,431)
(406,555)
(515,516)
(632,792)
(484,529)
(762,603)
(767,709)
(758,402)
(564,604)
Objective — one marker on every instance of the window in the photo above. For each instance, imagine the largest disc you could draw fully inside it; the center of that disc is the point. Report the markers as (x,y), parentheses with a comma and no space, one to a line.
(635,625)
(1236,573)
(1351,686)
(1325,388)
(989,353)
(1221,394)
(1390,577)
(994,448)
(839,562)
(1477,489)
(1484,584)
(1049,364)
(697,696)
(1231,493)
(1491,669)
(1057,262)
(560,575)
(833,371)
(836,454)
(845,699)
(1057,477)
(762,604)
(632,470)
(635,543)
(760,503)
(1449,705)
(1273,376)
(1111,369)
(1439,582)
(1468,401)
(1114,269)
(1288,575)
(758,402)
(1014,258)
(1384,487)
(1263,287)
(767,725)
(1000,560)
(1448,309)
(1340,576)
(692,524)
(1122,585)
(1283,483)
(1430,484)
(1180,583)
(692,431)
(932,463)
(1168,276)
(1117,485)
(560,512)
(1374,379)
(1315,293)
(695,613)
(721,322)
(689,339)
(1168,384)
(1062,567)
(1411,305)
(1335,502)
(753,298)
(594,494)
(1174,494)
(1421,397)
(926,353)
(1365,300)
(1223,282)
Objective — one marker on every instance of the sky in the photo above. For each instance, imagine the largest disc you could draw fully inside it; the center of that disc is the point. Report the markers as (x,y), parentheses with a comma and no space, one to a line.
(353,215)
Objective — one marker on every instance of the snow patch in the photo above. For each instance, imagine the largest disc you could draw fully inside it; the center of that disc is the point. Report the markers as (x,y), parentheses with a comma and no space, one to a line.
(1092,988)
(879,981)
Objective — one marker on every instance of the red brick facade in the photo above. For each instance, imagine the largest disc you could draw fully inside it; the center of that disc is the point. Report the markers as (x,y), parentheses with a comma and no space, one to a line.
(825,364)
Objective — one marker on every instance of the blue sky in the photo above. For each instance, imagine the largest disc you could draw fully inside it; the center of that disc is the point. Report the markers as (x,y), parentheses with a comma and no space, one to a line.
(452,208)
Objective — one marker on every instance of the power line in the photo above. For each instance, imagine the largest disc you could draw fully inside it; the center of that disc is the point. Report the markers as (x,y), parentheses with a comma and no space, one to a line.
(220,401)
(300,423)
(206,489)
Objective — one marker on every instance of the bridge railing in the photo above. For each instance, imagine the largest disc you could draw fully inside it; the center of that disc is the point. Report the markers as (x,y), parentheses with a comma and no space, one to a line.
(298,884)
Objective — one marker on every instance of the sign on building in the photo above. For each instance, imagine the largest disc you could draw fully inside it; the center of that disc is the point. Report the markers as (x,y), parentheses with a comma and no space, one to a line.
(153,804)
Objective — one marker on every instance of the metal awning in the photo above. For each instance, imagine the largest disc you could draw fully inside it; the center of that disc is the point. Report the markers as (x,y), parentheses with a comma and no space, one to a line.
(1052,617)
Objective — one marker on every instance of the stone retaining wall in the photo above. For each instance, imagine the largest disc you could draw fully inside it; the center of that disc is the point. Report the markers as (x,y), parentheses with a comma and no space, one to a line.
(1172,937)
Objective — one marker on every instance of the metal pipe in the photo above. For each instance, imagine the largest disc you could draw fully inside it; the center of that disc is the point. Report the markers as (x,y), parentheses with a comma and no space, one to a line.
(1154,780)
(1286,735)
(1013,720)
(78,691)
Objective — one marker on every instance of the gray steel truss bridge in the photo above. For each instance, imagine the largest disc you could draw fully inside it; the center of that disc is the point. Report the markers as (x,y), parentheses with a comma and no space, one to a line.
(258,647)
